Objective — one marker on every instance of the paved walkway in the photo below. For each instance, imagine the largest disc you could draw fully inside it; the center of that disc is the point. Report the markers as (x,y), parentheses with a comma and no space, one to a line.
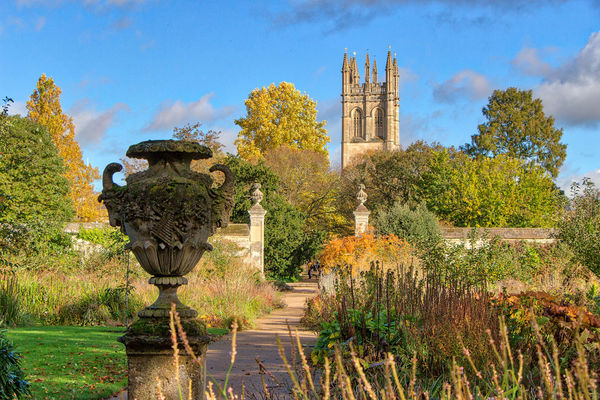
(261,342)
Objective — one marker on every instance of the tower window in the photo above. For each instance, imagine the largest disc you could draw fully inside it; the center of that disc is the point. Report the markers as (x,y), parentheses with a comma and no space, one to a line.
(357,123)
(379,124)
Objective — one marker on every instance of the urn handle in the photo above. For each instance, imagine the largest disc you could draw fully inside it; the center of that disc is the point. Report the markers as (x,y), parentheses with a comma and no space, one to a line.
(225,192)
(107,175)
(226,188)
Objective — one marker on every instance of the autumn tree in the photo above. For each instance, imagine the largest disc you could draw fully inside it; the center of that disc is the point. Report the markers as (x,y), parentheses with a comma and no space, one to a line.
(44,108)
(276,116)
(516,126)
(307,183)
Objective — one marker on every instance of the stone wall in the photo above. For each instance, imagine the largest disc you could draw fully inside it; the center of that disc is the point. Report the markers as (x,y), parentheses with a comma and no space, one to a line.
(249,247)
(535,235)
(239,234)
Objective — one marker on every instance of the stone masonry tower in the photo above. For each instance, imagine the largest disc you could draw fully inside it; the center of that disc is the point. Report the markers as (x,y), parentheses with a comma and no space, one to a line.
(369,110)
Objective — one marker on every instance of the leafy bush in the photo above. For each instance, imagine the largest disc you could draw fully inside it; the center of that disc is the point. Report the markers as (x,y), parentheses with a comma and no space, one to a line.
(580,225)
(418,226)
(110,238)
(353,254)
(12,378)
(530,315)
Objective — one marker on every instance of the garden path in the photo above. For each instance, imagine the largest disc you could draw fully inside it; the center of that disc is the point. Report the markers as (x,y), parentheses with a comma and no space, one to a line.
(261,342)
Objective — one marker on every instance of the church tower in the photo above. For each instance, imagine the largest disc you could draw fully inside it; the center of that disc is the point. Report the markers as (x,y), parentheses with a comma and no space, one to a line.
(370,119)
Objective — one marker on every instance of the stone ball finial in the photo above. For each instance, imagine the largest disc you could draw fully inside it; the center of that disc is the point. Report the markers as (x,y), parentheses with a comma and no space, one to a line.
(361,195)
(256,195)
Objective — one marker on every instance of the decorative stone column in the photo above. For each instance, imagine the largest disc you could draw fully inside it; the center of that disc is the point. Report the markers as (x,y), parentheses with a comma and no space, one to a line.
(257,229)
(361,214)
(168,212)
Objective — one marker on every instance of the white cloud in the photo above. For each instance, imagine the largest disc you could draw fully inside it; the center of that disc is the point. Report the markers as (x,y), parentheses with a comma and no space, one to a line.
(466,83)
(178,113)
(571,91)
(18,107)
(90,124)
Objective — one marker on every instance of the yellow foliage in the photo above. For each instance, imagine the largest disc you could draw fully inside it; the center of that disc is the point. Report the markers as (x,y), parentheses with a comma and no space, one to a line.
(44,108)
(279,115)
(353,254)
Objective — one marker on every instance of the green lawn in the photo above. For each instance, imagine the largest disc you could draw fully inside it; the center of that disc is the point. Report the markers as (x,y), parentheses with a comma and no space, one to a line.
(69,362)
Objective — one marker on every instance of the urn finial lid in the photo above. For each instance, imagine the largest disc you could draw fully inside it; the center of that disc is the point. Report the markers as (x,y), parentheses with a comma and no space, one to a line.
(361,195)
(256,195)
(192,150)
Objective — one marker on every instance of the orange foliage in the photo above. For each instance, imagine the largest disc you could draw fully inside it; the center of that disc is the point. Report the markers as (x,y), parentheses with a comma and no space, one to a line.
(355,253)
(44,108)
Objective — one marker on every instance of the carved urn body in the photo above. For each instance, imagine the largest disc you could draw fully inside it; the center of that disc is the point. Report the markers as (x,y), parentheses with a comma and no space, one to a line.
(168,212)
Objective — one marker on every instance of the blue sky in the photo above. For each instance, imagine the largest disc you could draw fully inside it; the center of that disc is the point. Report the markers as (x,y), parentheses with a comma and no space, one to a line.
(131,70)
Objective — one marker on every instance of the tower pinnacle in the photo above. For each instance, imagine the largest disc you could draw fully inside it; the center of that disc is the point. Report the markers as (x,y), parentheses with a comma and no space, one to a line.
(367,69)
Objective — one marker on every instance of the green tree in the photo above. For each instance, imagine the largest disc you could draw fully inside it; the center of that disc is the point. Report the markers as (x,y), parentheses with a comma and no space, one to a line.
(580,226)
(287,246)
(489,192)
(279,115)
(34,193)
(389,177)
(44,108)
(516,126)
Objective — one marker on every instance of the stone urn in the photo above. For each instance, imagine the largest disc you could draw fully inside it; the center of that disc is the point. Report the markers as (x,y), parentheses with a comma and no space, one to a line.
(168,212)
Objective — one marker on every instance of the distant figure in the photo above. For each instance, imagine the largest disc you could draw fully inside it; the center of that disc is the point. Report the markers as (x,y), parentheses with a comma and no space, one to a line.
(314,268)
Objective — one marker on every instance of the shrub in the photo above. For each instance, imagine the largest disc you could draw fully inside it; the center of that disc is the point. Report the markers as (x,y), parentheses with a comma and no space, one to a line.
(580,225)
(110,238)
(532,314)
(418,226)
(351,254)
(12,378)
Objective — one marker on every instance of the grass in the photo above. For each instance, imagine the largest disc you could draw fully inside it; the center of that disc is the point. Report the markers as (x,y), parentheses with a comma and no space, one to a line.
(65,362)
(221,289)
(78,363)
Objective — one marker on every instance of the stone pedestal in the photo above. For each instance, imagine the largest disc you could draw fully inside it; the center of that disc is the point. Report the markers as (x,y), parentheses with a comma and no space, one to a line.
(151,362)
(257,229)
(361,220)
(361,215)
(257,236)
